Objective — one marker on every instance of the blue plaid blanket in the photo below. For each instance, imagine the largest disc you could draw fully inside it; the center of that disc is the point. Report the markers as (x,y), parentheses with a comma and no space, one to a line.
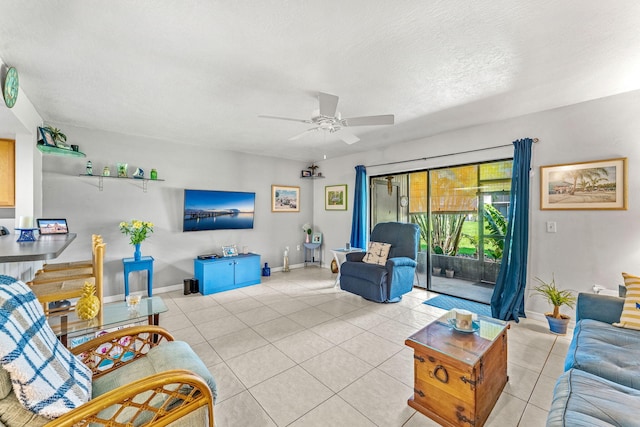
(47,379)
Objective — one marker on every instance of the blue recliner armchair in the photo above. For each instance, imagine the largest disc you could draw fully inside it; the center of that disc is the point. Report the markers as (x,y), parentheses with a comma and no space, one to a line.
(384,283)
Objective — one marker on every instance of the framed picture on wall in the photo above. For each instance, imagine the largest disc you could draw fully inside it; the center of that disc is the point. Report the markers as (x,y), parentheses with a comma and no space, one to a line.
(335,197)
(285,198)
(599,184)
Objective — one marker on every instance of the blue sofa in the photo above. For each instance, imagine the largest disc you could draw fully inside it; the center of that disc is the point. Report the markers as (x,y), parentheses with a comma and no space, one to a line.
(384,283)
(601,382)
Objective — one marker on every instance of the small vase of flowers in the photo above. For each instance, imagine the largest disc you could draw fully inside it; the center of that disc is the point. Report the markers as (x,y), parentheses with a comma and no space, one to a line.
(307,231)
(137,231)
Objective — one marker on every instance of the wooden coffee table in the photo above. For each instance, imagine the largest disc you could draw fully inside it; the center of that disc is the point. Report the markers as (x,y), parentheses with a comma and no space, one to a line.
(458,376)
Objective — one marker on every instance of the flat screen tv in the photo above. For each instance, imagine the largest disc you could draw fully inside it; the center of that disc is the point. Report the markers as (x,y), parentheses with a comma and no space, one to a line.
(217,210)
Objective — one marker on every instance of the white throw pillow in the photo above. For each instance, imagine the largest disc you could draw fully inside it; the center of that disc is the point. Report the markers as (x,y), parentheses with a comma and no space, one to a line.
(377,253)
(47,379)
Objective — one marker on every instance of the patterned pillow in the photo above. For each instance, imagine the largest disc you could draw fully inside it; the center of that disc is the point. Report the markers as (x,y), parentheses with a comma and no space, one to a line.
(377,253)
(47,379)
(630,317)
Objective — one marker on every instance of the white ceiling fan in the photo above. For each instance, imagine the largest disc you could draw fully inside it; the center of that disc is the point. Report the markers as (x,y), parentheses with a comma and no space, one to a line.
(328,119)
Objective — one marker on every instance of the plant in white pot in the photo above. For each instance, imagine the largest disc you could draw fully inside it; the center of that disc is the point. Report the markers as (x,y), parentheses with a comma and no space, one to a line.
(558,322)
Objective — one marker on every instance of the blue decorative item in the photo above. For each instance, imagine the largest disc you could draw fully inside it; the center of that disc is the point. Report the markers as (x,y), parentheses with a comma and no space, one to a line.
(26,235)
(266,271)
(139,173)
(137,254)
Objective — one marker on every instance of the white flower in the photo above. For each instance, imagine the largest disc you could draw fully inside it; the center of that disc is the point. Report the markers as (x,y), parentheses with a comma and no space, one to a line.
(306,228)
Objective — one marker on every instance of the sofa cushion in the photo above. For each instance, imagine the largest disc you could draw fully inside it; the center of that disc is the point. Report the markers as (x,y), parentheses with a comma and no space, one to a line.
(606,351)
(584,399)
(166,356)
(47,379)
(13,414)
(630,317)
(5,383)
(377,253)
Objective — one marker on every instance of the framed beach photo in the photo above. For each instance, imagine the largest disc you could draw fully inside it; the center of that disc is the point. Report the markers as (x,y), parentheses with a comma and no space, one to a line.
(599,184)
(285,198)
(335,197)
(47,137)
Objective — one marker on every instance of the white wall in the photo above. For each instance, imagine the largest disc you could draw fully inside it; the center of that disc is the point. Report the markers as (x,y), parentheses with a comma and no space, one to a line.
(589,246)
(89,210)
(21,124)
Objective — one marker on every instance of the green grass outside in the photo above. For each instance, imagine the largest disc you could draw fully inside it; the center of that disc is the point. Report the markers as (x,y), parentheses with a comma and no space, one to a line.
(469,228)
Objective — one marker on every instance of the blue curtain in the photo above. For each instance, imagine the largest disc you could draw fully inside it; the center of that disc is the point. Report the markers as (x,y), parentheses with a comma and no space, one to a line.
(359,222)
(507,301)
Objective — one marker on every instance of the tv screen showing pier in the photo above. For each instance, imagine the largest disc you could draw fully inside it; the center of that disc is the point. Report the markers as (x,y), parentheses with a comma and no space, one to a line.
(217,210)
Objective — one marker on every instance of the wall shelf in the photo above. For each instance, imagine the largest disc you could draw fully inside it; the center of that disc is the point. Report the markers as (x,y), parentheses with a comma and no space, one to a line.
(47,149)
(313,177)
(101,179)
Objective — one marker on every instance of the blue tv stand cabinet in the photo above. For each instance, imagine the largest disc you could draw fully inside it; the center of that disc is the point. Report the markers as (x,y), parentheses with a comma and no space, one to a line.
(222,274)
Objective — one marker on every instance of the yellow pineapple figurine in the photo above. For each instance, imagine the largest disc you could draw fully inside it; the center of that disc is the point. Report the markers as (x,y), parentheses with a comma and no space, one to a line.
(88,305)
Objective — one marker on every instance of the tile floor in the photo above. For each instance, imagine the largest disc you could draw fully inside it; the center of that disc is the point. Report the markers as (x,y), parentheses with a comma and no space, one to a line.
(296,351)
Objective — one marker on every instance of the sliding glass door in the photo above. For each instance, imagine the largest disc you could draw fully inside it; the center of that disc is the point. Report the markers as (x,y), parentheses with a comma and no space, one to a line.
(461,212)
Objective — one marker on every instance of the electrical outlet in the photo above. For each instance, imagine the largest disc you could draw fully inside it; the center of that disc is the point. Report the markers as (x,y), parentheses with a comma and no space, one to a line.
(298,247)
(551,227)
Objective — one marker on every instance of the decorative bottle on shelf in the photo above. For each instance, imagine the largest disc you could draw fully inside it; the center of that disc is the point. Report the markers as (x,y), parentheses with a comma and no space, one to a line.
(154,174)
(89,168)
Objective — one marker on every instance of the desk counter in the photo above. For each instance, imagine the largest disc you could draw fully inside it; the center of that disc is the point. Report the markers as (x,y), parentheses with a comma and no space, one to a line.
(44,248)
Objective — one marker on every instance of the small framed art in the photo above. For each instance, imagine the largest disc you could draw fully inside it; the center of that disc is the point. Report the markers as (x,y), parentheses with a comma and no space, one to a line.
(305,174)
(47,137)
(285,198)
(230,250)
(599,184)
(316,238)
(335,197)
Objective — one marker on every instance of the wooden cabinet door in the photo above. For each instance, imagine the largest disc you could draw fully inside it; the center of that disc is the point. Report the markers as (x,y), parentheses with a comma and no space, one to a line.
(7,173)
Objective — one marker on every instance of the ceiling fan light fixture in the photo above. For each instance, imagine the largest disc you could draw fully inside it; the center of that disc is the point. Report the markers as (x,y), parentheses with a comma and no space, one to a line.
(327,118)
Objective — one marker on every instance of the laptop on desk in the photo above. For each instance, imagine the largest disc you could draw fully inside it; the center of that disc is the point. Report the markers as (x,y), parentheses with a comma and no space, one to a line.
(48,227)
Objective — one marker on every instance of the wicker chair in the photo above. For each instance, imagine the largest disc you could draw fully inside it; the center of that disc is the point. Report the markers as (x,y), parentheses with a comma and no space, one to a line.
(177,397)
(69,287)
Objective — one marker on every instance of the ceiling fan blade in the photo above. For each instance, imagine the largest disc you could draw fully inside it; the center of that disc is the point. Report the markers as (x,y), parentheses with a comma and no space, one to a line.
(347,137)
(328,104)
(386,119)
(284,118)
(300,135)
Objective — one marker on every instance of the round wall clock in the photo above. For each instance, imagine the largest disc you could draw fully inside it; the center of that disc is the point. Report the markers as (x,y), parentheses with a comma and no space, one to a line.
(11,87)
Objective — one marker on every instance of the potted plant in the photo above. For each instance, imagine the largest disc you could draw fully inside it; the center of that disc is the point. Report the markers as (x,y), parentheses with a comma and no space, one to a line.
(557,297)
(59,138)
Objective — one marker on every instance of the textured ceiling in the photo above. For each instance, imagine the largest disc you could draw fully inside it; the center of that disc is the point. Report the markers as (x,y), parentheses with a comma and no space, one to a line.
(200,72)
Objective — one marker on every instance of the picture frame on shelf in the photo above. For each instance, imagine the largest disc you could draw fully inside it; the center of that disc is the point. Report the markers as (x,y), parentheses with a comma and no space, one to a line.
(122,170)
(47,137)
(285,198)
(305,174)
(593,185)
(316,238)
(335,197)
(228,251)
